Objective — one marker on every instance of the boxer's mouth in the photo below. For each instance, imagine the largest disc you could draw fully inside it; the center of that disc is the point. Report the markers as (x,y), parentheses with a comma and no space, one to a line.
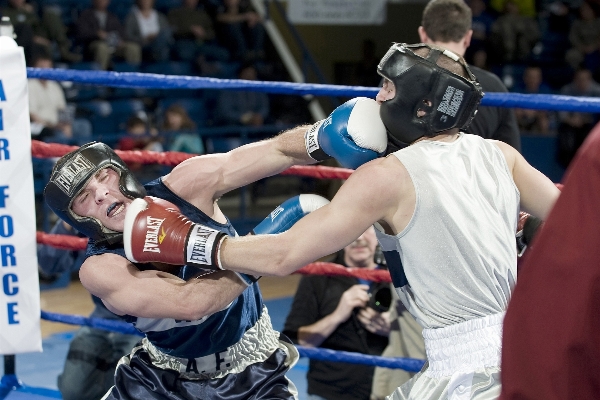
(114,209)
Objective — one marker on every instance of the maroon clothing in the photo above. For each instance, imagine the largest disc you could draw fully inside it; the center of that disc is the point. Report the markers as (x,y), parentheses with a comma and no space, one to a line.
(551,343)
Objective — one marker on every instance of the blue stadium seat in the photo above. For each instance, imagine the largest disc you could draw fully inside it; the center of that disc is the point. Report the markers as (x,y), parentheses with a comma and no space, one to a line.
(123,109)
(99,113)
(165,5)
(222,144)
(170,68)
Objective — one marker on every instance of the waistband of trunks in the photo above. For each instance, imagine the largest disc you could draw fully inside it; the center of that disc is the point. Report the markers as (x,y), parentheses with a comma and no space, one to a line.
(467,346)
(256,345)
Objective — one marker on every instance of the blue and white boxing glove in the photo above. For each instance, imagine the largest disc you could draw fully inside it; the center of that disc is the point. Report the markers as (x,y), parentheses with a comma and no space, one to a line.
(283,217)
(353,134)
(288,213)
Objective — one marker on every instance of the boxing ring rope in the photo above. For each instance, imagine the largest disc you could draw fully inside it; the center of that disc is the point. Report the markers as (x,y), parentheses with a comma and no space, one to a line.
(154,81)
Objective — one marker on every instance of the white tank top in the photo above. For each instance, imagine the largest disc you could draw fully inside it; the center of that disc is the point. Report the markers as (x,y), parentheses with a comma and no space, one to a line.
(456,260)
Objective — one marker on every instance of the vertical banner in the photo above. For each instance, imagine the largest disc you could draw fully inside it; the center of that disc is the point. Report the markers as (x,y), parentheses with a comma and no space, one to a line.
(337,12)
(19,285)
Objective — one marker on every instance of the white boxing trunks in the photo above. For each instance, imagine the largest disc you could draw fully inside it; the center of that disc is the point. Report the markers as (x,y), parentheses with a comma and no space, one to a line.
(463,363)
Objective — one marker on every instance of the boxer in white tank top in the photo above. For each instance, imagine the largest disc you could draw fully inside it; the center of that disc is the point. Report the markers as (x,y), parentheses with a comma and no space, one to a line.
(457,263)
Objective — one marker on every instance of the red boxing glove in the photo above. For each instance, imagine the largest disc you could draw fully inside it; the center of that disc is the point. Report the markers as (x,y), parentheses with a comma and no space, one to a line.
(156,231)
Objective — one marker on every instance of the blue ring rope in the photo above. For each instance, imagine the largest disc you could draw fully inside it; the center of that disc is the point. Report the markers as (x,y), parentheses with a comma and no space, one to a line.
(155,81)
(407,364)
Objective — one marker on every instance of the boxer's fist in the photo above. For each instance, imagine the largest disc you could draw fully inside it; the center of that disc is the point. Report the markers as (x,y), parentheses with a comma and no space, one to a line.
(527,228)
(353,134)
(156,231)
(288,213)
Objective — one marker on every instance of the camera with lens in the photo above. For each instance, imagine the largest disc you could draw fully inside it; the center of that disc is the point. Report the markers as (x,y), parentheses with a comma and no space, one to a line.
(380,297)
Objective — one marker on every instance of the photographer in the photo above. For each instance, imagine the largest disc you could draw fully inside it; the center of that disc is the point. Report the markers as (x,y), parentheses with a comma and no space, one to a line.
(342,313)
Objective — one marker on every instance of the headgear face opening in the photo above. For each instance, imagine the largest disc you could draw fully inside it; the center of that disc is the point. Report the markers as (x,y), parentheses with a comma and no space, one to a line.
(429,99)
(72,173)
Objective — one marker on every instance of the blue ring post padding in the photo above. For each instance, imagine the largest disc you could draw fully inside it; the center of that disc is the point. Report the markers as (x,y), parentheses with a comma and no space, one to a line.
(154,81)
(407,364)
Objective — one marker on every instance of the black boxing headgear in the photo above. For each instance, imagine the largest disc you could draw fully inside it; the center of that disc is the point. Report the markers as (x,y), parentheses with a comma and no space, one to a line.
(72,173)
(444,100)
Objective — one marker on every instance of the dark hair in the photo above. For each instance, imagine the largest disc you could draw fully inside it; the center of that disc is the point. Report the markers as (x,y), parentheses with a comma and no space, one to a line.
(456,67)
(446,20)
(39,55)
(134,121)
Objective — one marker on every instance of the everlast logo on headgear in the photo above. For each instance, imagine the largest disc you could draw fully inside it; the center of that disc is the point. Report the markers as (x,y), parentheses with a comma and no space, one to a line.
(152,237)
(200,244)
(69,176)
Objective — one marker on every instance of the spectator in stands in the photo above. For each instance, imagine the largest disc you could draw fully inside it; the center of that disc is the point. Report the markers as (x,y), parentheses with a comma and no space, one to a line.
(242,30)
(574,126)
(36,34)
(51,118)
(243,107)
(181,130)
(334,312)
(101,33)
(584,37)
(142,136)
(514,34)
(150,29)
(194,34)
(534,121)
(93,354)
(476,53)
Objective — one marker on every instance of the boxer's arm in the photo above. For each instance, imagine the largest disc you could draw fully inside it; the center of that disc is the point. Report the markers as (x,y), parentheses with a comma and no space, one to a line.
(155,294)
(208,177)
(373,192)
(538,193)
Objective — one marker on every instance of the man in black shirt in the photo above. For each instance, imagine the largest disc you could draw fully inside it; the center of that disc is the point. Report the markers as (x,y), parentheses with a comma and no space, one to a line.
(447,24)
(332,312)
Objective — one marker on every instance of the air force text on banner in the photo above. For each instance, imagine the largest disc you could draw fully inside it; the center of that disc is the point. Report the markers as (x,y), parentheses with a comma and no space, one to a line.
(19,285)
